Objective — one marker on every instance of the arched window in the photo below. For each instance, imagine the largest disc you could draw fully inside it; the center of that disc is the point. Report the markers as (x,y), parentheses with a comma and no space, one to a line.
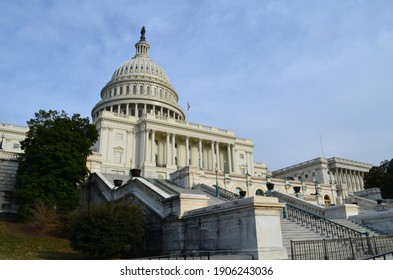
(238,190)
(259,192)
(327,200)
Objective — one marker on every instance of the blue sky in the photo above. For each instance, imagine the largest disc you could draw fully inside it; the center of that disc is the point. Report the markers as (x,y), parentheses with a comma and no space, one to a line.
(286,74)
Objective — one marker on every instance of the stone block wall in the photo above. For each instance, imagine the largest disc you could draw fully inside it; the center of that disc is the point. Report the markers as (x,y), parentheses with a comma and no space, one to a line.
(248,226)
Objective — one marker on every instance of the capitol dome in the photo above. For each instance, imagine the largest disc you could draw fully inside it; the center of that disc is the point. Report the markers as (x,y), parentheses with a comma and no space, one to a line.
(139,86)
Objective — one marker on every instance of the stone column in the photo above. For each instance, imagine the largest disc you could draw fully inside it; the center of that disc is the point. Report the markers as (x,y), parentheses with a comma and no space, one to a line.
(200,153)
(212,156)
(145,143)
(359,180)
(136,110)
(251,164)
(218,156)
(129,152)
(167,150)
(127,109)
(173,149)
(229,158)
(234,159)
(187,151)
(153,146)
(362,180)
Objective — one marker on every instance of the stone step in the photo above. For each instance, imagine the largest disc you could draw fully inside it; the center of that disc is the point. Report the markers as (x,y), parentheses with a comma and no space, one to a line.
(293,231)
(357,227)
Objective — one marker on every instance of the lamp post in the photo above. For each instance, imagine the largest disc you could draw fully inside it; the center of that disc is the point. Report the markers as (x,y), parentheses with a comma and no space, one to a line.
(217,191)
(1,143)
(248,191)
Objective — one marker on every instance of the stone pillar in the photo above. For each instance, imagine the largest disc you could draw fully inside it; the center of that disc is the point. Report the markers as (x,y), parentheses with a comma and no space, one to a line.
(173,149)
(153,146)
(129,151)
(229,158)
(187,151)
(218,156)
(127,109)
(252,164)
(362,180)
(212,156)
(145,143)
(136,110)
(167,150)
(234,159)
(200,153)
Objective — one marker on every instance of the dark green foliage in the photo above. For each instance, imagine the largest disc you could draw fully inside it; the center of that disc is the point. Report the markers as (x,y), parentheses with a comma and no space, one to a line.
(106,230)
(54,160)
(381,177)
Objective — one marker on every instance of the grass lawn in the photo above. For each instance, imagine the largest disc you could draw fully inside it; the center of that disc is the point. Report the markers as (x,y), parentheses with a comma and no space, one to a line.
(21,242)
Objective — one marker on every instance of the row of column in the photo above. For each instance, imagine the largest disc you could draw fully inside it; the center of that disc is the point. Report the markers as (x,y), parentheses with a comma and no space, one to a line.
(135,109)
(352,178)
(206,154)
(139,90)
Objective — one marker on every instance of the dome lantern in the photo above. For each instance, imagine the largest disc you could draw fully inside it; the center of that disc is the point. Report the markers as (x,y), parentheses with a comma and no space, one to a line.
(142,46)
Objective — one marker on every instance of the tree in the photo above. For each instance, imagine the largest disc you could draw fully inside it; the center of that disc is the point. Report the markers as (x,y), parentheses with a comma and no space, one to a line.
(106,230)
(381,177)
(54,160)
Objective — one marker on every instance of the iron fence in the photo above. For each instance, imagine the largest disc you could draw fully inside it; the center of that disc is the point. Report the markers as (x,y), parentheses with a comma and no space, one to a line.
(352,248)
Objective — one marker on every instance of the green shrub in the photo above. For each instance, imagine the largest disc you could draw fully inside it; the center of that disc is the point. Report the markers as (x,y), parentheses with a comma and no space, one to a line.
(40,216)
(106,230)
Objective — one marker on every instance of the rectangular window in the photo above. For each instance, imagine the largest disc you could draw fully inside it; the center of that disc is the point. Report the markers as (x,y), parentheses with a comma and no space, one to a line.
(16,146)
(118,156)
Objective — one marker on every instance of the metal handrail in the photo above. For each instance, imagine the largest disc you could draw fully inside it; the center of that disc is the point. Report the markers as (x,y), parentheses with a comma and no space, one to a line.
(382,255)
(320,224)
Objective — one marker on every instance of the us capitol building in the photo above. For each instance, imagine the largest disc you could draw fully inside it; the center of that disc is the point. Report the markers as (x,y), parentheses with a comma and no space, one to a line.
(189,178)
(141,126)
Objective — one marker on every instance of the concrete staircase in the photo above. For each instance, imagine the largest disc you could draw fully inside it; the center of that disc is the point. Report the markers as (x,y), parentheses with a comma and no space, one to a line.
(293,231)
(296,232)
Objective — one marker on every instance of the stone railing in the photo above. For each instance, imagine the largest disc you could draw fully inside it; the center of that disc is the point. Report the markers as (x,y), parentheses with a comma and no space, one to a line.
(9,155)
(150,194)
(223,193)
(368,204)
(104,190)
(300,203)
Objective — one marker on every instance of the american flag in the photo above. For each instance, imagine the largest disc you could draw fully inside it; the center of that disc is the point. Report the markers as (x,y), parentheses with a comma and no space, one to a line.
(188,106)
